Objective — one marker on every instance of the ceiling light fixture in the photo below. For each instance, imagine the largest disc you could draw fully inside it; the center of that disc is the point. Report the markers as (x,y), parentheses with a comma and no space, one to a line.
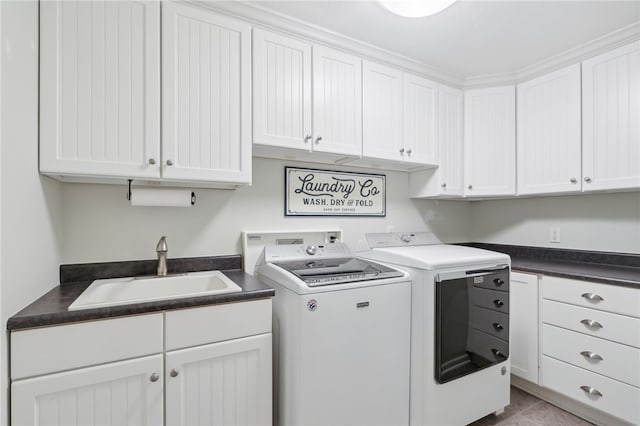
(415,8)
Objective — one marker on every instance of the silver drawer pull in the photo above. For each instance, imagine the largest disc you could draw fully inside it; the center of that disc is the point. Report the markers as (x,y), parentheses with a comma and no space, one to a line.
(591,355)
(591,323)
(591,391)
(593,297)
(154,377)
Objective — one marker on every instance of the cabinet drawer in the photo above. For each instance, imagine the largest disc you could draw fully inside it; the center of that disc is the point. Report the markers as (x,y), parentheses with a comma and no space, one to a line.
(492,322)
(620,362)
(50,349)
(498,280)
(617,328)
(487,346)
(210,324)
(619,300)
(618,399)
(490,299)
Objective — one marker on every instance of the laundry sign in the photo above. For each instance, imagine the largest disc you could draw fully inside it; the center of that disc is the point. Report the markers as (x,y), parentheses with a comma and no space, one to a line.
(312,192)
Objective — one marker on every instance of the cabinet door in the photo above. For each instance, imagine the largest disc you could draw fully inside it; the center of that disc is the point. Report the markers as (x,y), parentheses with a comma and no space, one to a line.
(549,144)
(419,115)
(206,66)
(337,102)
(381,112)
(450,153)
(281,91)
(489,141)
(523,316)
(100,88)
(611,119)
(227,383)
(118,393)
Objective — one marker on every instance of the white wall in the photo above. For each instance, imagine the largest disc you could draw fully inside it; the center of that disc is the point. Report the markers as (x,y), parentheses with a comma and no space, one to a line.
(30,204)
(602,222)
(100,225)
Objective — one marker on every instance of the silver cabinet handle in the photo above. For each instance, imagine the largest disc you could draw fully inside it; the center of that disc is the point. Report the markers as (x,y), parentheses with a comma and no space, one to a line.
(499,303)
(591,323)
(444,185)
(587,179)
(573,180)
(498,326)
(593,297)
(173,372)
(318,139)
(401,150)
(152,161)
(591,355)
(590,390)
(169,163)
(154,377)
(409,151)
(470,187)
(307,138)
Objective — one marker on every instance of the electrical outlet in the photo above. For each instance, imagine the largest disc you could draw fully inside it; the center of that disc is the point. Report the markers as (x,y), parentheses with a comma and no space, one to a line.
(554,235)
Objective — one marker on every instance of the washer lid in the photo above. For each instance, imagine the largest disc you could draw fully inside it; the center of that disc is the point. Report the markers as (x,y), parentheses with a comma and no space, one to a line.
(437,256)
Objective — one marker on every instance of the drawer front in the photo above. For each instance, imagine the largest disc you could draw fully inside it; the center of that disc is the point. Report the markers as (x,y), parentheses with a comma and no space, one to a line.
(490,299)
(604,297)
(619,362)
(50,349)
(210,324)
(617,328)
(618,399)
(487,346)
(492,322)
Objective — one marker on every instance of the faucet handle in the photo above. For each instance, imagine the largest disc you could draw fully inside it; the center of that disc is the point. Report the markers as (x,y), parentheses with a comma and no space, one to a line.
(162,244)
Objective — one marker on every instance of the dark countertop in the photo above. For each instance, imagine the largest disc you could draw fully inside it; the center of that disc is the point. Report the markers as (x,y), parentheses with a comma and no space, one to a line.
(619,269)
(52,308)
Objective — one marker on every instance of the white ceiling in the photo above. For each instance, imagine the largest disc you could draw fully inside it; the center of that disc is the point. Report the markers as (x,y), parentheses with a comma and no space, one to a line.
(472,38)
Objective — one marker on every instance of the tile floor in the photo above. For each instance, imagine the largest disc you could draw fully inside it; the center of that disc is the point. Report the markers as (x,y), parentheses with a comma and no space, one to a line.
(527,410)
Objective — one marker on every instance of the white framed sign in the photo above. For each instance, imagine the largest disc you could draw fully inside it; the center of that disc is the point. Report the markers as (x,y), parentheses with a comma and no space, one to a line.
(313,192)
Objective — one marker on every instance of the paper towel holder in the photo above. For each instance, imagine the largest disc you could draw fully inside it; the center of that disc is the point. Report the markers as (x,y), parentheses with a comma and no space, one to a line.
(130,181)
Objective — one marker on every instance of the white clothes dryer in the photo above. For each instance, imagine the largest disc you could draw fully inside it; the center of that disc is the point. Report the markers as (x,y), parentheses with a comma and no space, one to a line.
(459,326)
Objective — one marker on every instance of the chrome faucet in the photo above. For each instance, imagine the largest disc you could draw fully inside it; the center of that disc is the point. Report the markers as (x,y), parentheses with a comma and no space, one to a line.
(162,250)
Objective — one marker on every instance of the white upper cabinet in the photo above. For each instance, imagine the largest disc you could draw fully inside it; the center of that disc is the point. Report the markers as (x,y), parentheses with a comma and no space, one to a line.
(611,119)
(420,115)
(100,88)
(337,102)
(206,110)
(549,133)
(446,181)
(286,115)
(382,112)
(489,142)
(281,91)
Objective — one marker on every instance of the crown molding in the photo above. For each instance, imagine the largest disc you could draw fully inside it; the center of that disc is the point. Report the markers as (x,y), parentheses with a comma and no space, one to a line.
(610,41)
(262,17)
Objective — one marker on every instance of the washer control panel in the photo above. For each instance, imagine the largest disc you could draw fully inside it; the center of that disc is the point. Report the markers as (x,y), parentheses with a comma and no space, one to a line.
(302,251)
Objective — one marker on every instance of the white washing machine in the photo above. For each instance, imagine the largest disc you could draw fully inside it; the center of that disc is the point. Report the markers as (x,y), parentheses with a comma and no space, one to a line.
(341,336)
(459,326)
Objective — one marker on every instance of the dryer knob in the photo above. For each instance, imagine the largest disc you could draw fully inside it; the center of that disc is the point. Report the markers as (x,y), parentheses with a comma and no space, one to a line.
(311,250)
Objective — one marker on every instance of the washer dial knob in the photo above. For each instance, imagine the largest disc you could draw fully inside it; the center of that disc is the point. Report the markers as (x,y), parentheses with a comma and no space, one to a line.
(311,250)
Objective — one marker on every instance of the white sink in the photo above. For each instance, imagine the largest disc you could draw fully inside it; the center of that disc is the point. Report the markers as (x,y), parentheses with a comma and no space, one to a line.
(124,291)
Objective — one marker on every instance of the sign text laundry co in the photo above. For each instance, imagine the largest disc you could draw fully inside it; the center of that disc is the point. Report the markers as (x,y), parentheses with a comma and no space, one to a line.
(312,192)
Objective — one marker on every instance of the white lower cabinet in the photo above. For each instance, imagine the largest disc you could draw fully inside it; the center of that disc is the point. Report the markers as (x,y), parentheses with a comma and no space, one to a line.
(220,384)
(590,345)
(209,365)
(523,317)
(125,392)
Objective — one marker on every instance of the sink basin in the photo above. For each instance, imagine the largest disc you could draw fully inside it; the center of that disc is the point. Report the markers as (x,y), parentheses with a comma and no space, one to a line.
(124,291)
